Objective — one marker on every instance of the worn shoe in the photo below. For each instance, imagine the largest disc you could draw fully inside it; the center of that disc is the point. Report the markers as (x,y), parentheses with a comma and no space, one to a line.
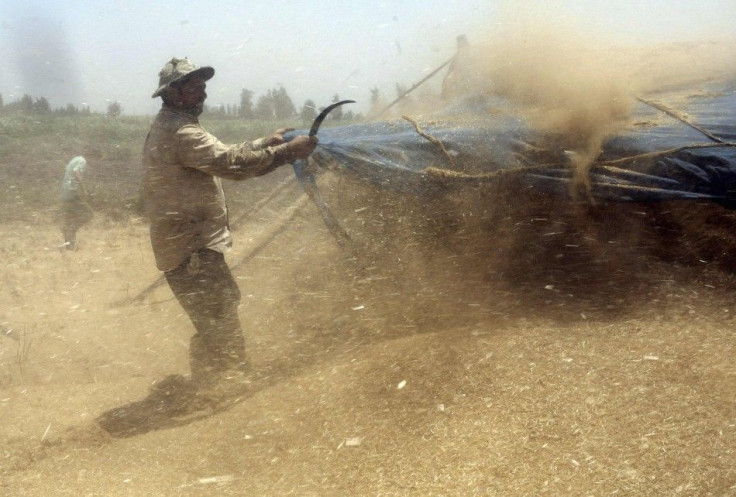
(228,387)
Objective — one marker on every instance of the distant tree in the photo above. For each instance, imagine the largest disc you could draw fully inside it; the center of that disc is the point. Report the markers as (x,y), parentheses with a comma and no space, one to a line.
(41,106)
(26,104)
(275,104)
(309,111)
(114,109)
(377,103)
(245,110)
(69,110)
(375,96)
(264,106)
(213,111)
(85,111)
(283,107)
(1,101)
(349,116)
(336,114)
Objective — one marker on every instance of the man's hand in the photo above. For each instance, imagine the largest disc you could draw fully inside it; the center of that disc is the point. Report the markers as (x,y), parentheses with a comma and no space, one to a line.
(277,138)
(301,147)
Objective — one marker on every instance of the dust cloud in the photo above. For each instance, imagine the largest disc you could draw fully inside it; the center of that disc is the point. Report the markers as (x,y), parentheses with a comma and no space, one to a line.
(45,63)
(564,81)
(485,339)
(562,86)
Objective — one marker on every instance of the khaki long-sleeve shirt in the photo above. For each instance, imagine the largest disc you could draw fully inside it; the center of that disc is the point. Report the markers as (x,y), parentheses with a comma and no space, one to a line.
(182,191)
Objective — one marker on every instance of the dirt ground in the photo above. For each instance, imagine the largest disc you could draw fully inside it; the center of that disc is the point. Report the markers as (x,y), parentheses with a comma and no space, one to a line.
(454,352)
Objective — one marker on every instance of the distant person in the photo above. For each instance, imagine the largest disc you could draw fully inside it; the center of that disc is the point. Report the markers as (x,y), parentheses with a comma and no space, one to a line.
(457,79)
(75,208)
(184,201)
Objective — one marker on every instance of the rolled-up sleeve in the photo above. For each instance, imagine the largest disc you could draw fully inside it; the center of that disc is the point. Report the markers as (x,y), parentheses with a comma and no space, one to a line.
(201,150)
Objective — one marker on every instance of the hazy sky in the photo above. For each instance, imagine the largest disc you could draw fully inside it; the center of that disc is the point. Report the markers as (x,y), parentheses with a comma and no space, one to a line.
(94,51)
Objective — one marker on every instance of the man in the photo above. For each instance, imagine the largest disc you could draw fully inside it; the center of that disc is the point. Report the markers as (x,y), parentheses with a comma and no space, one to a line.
(457,81)
(184,200)
(75,208)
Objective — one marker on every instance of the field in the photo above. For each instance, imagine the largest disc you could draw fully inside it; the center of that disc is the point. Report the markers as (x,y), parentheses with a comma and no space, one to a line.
(486,342)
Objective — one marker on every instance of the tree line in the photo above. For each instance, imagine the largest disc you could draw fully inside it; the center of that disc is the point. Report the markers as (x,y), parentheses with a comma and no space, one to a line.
(275,104)
(40,105)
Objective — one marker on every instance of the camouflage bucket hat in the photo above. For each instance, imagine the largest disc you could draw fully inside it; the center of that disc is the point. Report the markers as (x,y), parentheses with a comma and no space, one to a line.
(178,70)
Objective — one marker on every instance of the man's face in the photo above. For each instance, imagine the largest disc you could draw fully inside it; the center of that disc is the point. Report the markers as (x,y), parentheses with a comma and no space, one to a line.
(192,95)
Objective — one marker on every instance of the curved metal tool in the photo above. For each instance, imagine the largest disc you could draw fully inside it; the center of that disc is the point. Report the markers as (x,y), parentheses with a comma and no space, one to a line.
(309,183)
(321,117)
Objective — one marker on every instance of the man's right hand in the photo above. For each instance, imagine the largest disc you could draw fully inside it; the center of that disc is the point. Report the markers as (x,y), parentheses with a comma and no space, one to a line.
(301,147)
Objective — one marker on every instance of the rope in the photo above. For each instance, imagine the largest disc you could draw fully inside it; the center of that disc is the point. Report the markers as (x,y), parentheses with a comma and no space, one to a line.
(432,139)
(680,117)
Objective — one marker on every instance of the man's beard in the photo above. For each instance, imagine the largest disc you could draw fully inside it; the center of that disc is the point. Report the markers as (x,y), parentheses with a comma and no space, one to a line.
(195,110)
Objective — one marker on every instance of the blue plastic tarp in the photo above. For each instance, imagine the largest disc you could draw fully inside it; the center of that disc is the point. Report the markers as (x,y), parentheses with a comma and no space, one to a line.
(657,157)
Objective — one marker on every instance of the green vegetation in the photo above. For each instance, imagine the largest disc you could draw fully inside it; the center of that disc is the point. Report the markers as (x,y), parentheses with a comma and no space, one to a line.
(34,149)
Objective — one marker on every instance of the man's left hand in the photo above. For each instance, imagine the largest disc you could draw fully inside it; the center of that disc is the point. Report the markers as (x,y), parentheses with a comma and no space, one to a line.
(277,138)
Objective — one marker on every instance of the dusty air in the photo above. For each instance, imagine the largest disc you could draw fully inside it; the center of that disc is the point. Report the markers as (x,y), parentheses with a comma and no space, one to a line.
(500,262)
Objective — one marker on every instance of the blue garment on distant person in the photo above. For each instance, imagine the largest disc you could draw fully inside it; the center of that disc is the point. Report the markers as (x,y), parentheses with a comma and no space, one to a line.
(70,187)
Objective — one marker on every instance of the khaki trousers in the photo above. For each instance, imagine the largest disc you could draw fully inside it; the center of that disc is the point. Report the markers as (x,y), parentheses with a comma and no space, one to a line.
(207,291)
